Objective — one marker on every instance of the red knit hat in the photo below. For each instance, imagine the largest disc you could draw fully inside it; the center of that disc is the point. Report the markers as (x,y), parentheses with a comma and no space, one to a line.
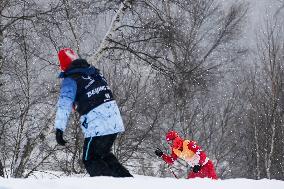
(66,56)
(171,135)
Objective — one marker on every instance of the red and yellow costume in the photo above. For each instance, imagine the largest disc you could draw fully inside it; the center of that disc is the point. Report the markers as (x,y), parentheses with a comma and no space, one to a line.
(191,153)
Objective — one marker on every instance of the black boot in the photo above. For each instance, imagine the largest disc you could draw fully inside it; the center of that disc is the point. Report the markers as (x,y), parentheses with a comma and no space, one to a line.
(117,169)
(97,167)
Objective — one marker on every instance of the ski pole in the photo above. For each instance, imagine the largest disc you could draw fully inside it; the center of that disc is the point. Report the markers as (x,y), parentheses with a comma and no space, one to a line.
(172,171)
(159,153)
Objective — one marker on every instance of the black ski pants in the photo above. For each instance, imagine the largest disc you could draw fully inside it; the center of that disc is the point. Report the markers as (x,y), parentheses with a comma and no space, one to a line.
(98,159)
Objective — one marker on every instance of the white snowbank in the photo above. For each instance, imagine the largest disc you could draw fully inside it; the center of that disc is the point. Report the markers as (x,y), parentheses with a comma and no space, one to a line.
(139,182)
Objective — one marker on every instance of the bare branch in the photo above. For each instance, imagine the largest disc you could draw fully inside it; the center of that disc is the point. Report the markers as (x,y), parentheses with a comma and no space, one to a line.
(112,29)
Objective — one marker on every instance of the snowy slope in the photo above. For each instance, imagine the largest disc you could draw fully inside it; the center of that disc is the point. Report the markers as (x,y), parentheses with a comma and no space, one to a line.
(139,182)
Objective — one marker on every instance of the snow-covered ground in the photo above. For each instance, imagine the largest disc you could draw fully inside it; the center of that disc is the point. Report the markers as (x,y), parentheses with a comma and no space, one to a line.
(139,182)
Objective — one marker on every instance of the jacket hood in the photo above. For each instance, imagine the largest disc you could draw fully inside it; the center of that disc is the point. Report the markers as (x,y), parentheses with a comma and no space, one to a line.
(79,66)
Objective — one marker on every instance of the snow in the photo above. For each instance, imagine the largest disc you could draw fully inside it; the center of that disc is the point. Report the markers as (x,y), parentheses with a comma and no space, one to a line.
(138,182)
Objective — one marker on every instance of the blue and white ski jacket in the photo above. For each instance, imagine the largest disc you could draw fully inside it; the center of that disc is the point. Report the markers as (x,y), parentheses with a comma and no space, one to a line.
(84,88)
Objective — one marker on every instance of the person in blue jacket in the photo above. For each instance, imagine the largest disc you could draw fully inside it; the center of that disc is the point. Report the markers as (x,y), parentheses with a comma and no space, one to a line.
(86,90)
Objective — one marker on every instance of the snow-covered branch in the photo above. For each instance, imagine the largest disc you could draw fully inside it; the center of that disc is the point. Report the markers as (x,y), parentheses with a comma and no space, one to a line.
(111,31)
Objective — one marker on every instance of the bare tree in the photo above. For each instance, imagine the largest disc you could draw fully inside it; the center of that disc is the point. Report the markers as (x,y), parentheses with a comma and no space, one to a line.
(29,127)
(265,104)
(25,107)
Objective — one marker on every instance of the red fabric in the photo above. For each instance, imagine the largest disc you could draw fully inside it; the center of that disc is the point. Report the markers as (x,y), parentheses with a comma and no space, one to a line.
(170,159)
(177,143)
(171,135)
(207,171)
(66,56)
(197,150)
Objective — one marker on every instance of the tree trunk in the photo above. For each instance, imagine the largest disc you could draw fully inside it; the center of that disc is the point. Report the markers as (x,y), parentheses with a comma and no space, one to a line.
(1,49)
(270,154)
(1,64)
(1,170)
(257,153)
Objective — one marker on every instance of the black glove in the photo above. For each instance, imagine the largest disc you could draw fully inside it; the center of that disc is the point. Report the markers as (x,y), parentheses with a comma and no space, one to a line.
(59,137)
(196,168)
(158,152)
